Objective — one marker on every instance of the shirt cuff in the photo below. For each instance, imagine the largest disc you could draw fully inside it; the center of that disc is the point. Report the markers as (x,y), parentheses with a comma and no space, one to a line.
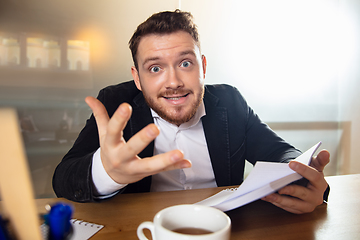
(104,185)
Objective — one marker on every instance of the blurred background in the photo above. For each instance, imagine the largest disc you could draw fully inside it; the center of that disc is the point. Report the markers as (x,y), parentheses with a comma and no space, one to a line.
(295,61)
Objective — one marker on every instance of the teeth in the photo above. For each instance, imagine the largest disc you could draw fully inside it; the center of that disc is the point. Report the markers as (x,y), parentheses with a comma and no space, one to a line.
(174,98)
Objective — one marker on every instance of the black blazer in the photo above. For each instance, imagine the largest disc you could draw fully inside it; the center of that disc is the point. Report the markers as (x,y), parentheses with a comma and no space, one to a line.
(233,132)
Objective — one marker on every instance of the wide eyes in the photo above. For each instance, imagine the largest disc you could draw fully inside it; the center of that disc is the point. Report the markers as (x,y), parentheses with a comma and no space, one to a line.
(185,64)
(156,69)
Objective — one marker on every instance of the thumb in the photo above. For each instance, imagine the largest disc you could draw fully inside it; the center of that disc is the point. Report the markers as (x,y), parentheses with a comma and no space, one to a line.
(321,160)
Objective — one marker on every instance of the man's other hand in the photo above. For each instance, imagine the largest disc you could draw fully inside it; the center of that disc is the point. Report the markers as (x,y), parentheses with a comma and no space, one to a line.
(299,199)
(119,157)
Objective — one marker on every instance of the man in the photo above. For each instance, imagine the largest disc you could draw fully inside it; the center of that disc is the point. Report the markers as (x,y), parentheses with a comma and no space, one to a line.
(168,131)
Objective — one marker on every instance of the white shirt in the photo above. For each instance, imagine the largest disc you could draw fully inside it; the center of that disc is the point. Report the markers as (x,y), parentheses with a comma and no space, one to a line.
(189,137)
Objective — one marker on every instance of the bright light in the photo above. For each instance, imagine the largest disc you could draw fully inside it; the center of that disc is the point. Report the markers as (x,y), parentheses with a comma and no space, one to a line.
(287,57)
(286,45)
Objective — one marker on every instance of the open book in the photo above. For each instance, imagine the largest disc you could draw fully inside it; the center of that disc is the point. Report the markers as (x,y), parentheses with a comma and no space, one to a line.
(264,179)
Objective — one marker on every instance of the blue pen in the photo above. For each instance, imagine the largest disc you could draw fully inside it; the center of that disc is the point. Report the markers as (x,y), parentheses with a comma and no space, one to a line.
(58,220)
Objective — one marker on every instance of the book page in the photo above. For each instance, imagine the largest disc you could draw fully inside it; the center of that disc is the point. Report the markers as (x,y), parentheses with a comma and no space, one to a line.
(265,178)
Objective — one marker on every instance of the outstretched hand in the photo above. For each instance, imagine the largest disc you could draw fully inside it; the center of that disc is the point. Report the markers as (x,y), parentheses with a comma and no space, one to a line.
(119,158)
(299,199)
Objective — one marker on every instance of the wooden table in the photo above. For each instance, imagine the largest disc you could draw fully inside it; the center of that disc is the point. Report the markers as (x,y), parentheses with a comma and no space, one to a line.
(338,219)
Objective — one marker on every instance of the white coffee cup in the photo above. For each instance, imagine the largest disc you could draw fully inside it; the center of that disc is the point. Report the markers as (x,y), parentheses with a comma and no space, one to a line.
(196,217)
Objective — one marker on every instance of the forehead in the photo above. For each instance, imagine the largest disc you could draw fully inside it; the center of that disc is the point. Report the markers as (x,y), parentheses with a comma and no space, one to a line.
(166,44)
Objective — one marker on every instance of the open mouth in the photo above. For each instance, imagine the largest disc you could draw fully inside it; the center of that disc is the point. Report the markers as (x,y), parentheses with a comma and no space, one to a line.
(176,98)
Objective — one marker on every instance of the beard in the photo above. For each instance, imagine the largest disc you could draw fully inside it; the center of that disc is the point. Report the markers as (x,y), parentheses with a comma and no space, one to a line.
(179,114)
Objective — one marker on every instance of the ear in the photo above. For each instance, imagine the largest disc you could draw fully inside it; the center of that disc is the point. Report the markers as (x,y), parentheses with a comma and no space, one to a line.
(204,64)
(136,78)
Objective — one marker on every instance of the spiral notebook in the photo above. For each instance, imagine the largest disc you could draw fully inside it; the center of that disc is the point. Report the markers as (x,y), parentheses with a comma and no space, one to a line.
(82,230)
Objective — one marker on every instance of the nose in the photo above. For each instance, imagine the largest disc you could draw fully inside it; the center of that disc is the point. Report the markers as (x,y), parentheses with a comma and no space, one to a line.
(173,79)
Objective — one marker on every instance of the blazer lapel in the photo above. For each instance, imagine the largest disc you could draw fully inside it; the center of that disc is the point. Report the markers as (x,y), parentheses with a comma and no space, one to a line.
(216,129)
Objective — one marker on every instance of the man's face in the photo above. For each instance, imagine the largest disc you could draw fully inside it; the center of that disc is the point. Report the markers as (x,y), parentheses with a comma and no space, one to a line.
(171,75)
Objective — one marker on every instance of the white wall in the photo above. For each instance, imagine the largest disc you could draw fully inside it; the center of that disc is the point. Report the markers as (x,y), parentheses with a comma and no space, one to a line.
(349,78)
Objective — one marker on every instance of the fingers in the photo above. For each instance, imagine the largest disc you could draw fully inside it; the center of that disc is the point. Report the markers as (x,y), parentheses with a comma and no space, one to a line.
(138,168)
(172,160)
(315,177)
(113,127)
(100,113)
(290,204)
(321,160)
(120,158)
(140,140)
(299,199)
(131,168)
(163,162)
(117,124)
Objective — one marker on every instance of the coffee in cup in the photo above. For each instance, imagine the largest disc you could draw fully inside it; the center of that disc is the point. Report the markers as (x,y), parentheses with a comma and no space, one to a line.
(187,221)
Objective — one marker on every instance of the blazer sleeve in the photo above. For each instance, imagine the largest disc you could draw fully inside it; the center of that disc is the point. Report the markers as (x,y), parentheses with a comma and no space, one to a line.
(72,177)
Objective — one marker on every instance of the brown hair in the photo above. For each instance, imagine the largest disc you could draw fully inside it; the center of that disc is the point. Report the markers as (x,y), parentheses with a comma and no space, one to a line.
(163,23)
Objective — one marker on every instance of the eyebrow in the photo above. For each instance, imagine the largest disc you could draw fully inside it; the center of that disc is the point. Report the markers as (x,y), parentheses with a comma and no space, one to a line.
(191,52)
(150,59)
(183,53)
